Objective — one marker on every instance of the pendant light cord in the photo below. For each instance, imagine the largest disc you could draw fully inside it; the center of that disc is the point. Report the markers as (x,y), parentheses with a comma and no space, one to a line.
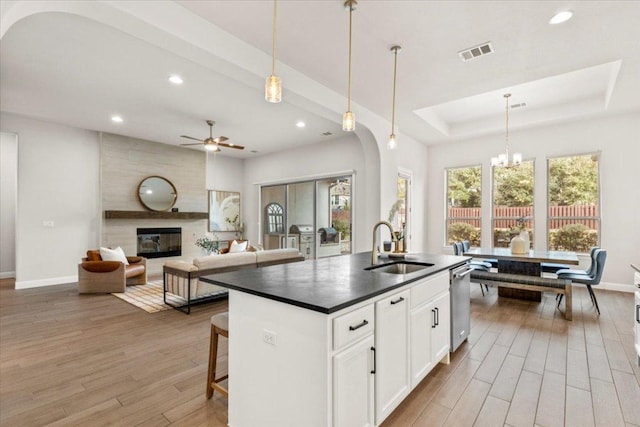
(273,59)
(349,82)
(393,104)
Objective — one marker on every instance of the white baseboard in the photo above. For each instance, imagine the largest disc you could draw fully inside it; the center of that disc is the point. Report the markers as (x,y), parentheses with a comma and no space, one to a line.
(26,284)
(7,274)
(620,287)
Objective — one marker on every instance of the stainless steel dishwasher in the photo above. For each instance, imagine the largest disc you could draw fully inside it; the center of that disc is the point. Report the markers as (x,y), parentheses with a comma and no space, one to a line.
(460,305)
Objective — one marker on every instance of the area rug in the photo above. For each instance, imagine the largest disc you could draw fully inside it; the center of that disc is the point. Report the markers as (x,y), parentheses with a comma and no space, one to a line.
(148,297)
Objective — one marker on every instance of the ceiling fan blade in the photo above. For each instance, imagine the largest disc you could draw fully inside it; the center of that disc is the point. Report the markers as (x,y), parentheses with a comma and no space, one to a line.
(184,145)
(223,144)
(219,139)
(190,137)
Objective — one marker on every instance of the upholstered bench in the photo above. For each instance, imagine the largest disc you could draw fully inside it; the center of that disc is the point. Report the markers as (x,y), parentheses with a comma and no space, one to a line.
(531,283)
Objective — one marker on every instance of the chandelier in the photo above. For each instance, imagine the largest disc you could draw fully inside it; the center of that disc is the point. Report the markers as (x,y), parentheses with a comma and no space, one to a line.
(503,159)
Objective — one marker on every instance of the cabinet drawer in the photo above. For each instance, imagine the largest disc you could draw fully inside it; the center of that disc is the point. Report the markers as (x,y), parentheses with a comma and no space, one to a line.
(428,288)
(351,326)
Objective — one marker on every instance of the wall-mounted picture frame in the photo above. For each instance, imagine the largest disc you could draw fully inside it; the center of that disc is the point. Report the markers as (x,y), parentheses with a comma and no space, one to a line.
(224,210)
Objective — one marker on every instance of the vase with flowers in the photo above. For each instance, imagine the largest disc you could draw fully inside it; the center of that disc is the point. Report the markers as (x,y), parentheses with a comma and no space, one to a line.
(520,244)
(400,235)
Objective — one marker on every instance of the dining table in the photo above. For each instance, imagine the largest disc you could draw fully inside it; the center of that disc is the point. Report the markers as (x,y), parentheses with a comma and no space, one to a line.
(527,264)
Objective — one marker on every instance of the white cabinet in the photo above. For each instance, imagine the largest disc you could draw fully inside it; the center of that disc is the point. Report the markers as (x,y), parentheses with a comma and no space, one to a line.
(421,361)
(353,379)
(430,325)
(440,338)
(636,324)
(392,383)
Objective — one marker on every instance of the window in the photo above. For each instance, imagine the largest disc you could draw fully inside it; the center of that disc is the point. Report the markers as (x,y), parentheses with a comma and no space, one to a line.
(401,218)
(464,203)
(275,218)
(574,208)
(512,202)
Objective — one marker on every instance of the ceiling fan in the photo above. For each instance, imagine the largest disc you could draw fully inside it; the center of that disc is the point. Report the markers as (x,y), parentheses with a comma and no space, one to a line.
(211,143)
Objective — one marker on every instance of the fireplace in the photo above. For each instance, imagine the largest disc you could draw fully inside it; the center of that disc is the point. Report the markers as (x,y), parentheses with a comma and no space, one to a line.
(159,242)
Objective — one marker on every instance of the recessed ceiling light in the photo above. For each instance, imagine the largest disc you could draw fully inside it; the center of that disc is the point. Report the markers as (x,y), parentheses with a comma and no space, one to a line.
(116,119)
(176,79)
(300,124)
(561,17)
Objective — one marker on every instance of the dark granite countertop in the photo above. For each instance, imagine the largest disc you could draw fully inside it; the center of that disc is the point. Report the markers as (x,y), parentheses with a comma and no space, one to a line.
(328,284)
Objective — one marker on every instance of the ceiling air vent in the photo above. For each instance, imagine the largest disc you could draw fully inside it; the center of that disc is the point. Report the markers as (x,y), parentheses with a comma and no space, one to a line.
(476,51)
(520,105)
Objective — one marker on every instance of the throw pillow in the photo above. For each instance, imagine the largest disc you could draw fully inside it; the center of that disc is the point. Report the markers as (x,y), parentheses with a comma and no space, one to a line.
(117,254)
(238,247)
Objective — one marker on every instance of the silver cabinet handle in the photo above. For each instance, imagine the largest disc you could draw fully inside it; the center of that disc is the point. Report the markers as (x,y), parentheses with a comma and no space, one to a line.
(461,275)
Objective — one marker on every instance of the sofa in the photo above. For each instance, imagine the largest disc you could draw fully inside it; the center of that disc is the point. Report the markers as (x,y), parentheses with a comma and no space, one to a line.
(182,287)
(98,276)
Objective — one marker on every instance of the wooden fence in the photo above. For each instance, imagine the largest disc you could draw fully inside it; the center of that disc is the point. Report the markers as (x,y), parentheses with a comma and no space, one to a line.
(505,217)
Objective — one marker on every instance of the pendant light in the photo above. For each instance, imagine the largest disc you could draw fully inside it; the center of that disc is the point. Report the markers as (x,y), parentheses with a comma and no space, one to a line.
(348,119)
(273,86)
(503,158)
(392,144)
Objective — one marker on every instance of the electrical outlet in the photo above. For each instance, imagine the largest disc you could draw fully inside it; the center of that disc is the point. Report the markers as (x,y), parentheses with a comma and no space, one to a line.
(269,337)
(47,223)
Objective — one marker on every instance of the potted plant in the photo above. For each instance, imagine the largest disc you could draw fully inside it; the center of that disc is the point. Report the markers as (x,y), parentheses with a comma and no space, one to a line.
(209,246)
(238,226)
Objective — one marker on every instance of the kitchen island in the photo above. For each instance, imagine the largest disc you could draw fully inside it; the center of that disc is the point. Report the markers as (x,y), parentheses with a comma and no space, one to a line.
(331,342)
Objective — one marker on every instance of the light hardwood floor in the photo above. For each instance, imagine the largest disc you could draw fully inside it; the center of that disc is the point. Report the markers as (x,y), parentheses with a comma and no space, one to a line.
(69,359)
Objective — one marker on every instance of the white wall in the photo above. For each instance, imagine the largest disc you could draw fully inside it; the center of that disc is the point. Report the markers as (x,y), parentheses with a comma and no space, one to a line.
(58,181)
(408,157)
(226,174)
(8,190)
(334,157)
(616,138)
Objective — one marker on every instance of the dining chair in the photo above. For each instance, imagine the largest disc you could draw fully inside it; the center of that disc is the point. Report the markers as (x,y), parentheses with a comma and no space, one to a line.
(551,267)
(458,249)
(588,271)
(466,245)
(589,280)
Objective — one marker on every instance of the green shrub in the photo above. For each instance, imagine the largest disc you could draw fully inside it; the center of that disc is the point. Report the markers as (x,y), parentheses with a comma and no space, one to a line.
(462,231)
(343,227)
(573,237)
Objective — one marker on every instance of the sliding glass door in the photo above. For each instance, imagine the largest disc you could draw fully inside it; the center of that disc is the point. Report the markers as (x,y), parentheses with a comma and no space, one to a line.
(314,216)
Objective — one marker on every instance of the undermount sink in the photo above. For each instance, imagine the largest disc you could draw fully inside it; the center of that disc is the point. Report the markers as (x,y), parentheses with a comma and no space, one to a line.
(399,267)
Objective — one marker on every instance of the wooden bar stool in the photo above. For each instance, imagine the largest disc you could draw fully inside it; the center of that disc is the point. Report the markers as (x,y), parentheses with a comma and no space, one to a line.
(219,326)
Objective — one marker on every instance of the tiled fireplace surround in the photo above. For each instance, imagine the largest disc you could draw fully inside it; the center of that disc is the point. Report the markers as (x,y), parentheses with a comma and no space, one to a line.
(125,162)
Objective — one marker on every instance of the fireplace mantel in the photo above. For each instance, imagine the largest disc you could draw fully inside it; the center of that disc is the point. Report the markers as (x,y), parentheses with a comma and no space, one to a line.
(154,215)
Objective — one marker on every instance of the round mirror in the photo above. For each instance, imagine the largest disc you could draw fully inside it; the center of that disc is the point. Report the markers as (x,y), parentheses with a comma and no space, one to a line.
(157,193)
